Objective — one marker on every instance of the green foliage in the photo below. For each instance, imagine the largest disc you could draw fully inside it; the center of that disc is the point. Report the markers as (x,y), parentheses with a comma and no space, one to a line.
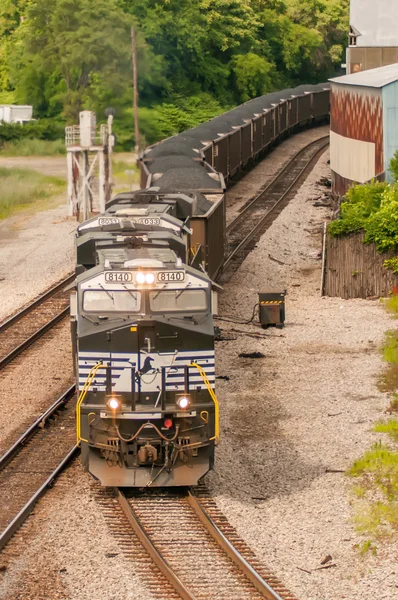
(394,166)
(392,263)
(252,75)
(390,427)
(22,187)
(78,55)
(44,129)
(33,147)
(390,347)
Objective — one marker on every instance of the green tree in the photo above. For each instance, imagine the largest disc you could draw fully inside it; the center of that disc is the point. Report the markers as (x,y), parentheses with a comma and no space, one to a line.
(76,55)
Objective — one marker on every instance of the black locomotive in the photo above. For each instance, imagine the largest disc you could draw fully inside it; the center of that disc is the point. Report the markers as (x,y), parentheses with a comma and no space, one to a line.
(142,313)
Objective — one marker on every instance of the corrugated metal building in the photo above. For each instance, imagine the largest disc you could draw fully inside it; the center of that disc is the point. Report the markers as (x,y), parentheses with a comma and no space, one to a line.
(363,126)
(373,34)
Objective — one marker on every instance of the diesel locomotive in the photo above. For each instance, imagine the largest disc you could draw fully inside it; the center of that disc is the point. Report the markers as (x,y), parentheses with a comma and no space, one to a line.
(142,310)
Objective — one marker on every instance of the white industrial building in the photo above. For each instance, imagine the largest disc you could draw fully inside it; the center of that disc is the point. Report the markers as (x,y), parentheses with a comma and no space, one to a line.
(13,113)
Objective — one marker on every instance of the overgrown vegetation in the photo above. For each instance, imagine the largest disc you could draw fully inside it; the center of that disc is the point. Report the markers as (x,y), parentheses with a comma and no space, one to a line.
(196,57)
(377,470)
(33,148)
(22,187)
(372,208)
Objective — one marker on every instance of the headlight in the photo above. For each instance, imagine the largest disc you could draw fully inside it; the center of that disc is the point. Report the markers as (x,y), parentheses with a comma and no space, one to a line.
(114,404)
(143,277)
(183,402)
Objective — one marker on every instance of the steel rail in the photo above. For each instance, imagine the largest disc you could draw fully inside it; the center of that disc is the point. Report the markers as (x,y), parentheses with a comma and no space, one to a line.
(35,336)
(155,555)
(278,176)
(243,243)
(22,313)
(251,574)
(23,514)
(39,423)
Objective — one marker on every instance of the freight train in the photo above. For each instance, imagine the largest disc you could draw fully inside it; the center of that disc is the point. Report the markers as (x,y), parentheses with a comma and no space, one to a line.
(142,313)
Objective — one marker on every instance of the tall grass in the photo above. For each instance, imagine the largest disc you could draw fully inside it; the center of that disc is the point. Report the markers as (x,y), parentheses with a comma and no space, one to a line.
(28,147)
(22,187)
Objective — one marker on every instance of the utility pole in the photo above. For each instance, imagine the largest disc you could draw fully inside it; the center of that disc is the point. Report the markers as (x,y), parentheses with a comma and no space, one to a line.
(135,85)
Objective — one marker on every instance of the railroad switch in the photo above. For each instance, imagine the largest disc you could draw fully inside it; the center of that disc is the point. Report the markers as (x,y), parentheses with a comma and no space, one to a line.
(272,309)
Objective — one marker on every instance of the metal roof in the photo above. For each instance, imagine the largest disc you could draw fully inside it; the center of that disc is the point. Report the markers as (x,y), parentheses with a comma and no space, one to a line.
(376,78)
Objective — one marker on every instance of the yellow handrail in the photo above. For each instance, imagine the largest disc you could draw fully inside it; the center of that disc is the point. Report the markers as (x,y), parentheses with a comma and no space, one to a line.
(82,395)
(213,397)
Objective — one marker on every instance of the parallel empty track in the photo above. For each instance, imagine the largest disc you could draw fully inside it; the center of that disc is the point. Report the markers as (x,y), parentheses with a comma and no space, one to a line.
(31,464)
(191,552)
(29,324)
(254,219)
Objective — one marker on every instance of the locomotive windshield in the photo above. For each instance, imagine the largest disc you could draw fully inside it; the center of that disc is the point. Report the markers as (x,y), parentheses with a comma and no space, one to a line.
(177,300)
(111,301)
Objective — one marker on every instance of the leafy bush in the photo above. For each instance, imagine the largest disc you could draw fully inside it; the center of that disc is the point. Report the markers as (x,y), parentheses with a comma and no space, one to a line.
(28,147)
(45,129)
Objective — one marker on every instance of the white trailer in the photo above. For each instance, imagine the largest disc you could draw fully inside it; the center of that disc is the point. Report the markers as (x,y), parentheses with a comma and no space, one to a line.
(13,113)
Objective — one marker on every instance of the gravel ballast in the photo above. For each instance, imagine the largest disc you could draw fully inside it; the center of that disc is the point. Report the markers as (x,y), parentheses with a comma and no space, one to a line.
(36,251)
(295,419)
(291,422)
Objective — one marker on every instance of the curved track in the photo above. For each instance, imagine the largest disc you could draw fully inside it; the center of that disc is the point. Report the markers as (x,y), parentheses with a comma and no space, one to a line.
(245,230)
(32,322)
(190,549)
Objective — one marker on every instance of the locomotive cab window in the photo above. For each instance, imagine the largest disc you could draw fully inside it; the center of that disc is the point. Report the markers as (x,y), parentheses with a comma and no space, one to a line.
(111,301)
(178,300)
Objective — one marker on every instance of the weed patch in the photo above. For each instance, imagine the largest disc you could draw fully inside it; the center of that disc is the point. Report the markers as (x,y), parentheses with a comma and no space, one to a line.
(377,492)
(22,187)
(27,147)
(388,379)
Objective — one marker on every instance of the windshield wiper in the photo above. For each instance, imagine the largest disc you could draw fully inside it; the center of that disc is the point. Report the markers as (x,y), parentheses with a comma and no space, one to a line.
(157,293)
(178,294)
(107,293)
(132,294)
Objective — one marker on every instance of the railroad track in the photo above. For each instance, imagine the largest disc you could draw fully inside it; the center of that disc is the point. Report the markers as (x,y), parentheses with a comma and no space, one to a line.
(32,322)
(185,548)
(30,466)
(244,232)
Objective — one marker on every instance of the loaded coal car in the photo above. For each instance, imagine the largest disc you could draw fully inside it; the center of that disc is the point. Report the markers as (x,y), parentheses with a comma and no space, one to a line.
(231,141)
(143,335)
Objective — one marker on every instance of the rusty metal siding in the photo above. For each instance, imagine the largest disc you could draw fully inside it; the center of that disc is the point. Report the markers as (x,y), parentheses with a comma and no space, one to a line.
(234,151)
(208,154)
(220,155)
(304,108)
(246,140)
(320,103)
(355,270)
(209,233)
(282,113)
(357,114)
(257,135)
(268,130)
(292,112)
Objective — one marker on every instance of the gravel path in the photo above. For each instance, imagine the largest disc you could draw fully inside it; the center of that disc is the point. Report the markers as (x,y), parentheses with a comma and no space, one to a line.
(46,371)
(36,250)
(299,414)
